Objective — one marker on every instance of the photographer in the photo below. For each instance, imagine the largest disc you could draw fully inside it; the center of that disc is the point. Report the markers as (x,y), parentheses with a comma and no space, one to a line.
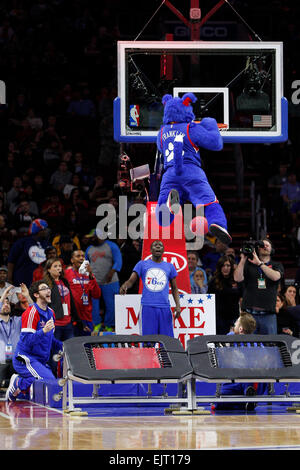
(261,277)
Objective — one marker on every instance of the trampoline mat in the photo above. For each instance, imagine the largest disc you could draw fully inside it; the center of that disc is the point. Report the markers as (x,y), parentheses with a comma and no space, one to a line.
(249,358)
(123,358)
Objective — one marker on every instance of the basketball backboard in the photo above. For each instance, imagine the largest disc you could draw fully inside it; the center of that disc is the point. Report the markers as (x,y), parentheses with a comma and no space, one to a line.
(238,83)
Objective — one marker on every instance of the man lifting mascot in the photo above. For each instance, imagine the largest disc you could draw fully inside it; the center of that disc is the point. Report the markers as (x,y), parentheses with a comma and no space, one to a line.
(179,140)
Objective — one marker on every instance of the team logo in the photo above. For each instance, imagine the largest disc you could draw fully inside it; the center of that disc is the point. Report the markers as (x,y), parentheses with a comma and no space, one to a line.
(37,254)
(155,280)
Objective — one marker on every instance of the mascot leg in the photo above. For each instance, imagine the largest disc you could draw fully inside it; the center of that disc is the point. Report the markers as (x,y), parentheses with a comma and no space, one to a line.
(217,223)
(168,204)
(214,221)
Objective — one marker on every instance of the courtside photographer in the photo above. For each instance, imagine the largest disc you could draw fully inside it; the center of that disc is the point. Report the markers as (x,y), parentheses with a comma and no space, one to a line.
(261,277)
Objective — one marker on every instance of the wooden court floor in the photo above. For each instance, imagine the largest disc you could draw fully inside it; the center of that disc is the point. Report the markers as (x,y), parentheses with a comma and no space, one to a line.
(28,426)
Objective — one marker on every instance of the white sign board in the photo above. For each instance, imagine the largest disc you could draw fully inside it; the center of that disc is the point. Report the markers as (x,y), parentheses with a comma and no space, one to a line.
(197,318)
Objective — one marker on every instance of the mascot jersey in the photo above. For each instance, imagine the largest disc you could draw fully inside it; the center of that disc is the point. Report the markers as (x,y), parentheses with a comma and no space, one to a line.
(184,172)
(179,140)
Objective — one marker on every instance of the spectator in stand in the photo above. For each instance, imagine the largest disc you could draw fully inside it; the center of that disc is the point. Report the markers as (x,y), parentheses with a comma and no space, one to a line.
(27,253)
(10,329)
(84,288)
(23,218)
(81,105)
(10,169)
(278,180)
(211,259)
(106,261)
(38,273)
(227,294)
(284,321)
(62,301)
(57,242)
(199,285)
(53,209)
(193,264)
(131,255)
(14,192)
(291,297)
(61,177)
(4,285)
(66,246)
(40,189)
(231,252)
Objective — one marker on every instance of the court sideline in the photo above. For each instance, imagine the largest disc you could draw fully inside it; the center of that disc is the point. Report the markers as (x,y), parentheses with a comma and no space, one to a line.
(30,426)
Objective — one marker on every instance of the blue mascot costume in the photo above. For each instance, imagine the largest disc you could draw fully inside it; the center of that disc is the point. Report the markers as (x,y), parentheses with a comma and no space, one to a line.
(184,180)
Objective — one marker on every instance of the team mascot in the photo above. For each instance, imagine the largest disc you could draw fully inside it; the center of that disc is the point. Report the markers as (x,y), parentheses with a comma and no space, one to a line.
(184,180)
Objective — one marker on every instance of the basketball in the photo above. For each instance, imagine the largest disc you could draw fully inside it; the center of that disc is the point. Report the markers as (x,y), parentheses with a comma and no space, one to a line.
(199,226)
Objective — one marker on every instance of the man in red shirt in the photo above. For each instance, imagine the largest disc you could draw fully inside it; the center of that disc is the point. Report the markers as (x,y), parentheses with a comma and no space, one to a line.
(84,287)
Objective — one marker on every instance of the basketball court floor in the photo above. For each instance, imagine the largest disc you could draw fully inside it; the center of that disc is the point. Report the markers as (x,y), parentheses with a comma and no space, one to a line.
(30,426)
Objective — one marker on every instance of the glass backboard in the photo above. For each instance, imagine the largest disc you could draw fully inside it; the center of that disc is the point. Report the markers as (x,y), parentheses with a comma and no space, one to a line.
(238,83)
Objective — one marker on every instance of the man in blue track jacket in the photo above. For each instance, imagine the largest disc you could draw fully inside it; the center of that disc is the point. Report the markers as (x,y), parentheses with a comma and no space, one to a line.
(36,342)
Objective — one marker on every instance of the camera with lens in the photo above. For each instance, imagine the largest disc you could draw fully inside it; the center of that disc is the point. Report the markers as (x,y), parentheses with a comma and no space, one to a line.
(249,246)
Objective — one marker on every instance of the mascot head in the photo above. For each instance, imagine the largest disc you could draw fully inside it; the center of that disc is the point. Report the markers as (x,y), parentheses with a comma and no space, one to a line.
(178,109)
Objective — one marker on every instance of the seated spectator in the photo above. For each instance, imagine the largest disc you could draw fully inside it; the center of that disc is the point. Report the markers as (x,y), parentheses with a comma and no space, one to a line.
(291,306)
(81,105)
(13,298)
(231,252)
(211,259)
(40,189)
(278,180)
(23,218)
(14,192)
(61,177)
(291,297)
(10,329)
(193,264)
(285,323)
(33,204)
(53,209)
(227,294)
(52,154)
(199,282)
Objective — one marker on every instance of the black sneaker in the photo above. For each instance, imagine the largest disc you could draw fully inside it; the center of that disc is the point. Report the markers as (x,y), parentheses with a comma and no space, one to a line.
(220,233)
(173,201)
(250,392)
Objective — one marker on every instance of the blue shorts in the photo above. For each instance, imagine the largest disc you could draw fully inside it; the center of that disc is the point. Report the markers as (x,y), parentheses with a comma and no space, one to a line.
(156,321)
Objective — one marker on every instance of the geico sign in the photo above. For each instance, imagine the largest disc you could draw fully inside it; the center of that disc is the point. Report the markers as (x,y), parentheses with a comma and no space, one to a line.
(179,262)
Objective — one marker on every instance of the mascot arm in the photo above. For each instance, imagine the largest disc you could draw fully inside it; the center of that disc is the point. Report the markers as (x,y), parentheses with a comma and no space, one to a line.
(206,134)
(158,142)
